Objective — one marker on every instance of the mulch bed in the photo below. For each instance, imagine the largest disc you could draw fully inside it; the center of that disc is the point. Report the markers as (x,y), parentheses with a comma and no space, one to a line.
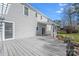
(60,37)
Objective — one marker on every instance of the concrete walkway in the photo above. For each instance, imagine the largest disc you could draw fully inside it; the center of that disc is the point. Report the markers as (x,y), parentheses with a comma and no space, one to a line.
(36,46)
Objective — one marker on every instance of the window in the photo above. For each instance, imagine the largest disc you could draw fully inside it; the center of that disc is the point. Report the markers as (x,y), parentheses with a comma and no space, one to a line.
(8,30)
(36,14)
(36,28)
(47,20)
(26,11)
(53,28)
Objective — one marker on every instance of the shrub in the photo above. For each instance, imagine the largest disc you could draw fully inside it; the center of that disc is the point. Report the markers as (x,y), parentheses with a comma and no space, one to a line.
(75,31)
(68,29)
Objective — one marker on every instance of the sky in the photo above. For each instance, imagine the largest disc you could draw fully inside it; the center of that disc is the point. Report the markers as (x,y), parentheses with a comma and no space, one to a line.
(53,10)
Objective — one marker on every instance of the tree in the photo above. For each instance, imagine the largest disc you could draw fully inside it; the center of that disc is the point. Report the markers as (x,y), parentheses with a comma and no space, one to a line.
(68,12)
(76,5)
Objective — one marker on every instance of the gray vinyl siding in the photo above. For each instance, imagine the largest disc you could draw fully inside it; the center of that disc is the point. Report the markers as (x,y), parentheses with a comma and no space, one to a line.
(25,26)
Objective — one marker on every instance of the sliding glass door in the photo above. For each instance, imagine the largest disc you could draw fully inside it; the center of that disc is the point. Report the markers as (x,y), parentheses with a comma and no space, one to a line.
(8,30)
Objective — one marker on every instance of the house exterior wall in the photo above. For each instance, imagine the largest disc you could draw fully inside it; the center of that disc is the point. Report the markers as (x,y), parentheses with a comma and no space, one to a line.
(40,22)
(25,26)
(48,30)
(39,30)
(44,19)
(54,31)
(51,30)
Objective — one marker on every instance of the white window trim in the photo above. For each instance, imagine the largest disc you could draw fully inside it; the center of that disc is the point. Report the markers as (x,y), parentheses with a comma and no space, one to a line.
(4,31)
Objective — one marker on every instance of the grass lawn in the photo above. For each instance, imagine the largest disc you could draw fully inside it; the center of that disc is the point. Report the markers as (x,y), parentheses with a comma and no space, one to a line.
(74,36)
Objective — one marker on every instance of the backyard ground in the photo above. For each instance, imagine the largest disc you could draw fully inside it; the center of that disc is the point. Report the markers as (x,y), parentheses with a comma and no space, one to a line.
(74,36)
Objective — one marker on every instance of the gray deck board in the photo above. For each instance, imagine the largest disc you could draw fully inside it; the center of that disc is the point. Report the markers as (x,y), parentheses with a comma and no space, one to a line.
(39,46)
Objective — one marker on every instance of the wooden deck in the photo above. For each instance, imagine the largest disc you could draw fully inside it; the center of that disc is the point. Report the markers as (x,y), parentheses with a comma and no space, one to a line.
(39,46)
